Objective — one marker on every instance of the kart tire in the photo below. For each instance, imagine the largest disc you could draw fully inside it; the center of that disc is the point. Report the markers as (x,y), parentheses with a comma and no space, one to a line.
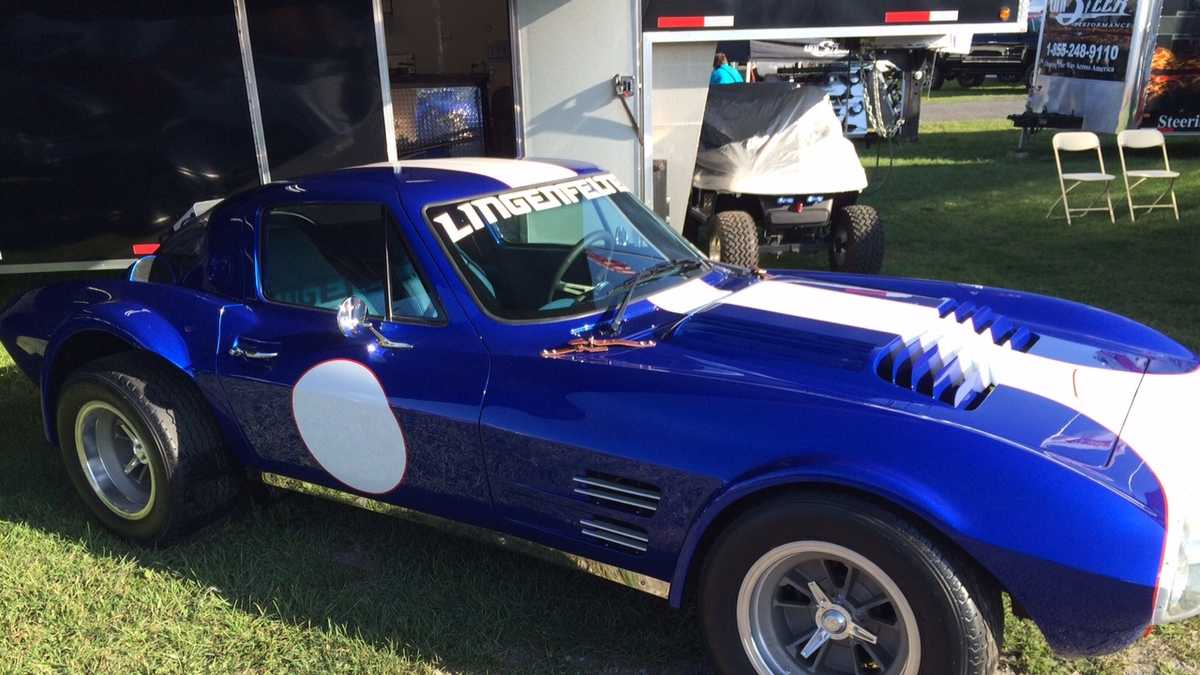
(970,80)
(183,478)
(731,237)
(958,617)
(856,242)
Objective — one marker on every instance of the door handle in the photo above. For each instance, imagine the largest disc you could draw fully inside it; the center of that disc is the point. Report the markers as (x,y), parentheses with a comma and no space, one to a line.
(241,353)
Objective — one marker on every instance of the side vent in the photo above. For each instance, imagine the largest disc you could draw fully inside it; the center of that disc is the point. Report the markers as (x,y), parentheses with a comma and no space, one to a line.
(617,493)
(949,363)
(615,534)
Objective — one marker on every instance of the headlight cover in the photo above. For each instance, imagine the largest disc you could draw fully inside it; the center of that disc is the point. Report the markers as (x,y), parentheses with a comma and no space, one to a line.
(1178,595)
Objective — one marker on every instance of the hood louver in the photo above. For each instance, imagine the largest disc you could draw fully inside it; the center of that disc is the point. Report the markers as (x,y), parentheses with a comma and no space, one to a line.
(949,363)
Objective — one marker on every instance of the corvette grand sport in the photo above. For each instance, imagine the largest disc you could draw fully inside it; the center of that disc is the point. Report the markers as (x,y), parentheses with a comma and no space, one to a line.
(842,473)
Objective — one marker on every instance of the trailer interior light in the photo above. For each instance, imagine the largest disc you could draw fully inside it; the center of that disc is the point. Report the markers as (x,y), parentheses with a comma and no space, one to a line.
(1005,13)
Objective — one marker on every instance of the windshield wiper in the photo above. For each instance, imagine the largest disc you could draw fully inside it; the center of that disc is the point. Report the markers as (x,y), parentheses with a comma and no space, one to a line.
(678,266)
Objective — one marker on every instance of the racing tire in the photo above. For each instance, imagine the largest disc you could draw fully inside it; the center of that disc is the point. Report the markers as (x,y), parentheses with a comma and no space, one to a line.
(143,450)
(856,241)
(731,237)
(925,605)
(971,80)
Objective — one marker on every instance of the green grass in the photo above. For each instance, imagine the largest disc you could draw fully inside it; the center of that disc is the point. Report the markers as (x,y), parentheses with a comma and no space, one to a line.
(951,92)
(307,586)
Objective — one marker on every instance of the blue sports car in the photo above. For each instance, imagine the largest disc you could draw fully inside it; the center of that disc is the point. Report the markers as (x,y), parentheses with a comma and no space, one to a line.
(843,473)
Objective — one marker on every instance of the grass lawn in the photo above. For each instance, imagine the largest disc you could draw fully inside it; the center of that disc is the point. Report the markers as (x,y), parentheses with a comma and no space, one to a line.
(303,585)
(951,92)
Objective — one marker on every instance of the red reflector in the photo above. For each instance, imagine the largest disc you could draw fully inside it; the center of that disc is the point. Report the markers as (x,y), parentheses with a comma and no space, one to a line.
(145,249)
(681,22)
(1149,632)
(906,17)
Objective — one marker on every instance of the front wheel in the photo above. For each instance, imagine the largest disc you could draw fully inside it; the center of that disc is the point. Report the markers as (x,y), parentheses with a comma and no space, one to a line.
(731,237)
(838,586)
(856,240)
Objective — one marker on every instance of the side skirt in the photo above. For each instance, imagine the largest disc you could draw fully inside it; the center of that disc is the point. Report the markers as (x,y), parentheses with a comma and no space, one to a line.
(618,575)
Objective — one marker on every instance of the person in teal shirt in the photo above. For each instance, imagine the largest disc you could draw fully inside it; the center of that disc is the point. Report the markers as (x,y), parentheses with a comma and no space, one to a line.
(723,73)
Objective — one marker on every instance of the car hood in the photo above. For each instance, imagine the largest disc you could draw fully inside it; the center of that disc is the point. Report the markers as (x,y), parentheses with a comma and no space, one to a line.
(1048,374)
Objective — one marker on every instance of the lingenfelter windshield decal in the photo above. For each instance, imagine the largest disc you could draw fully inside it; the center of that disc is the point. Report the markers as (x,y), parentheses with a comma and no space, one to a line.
(488,210)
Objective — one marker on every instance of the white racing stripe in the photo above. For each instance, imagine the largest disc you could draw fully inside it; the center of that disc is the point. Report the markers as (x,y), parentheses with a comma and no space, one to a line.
(515,173)
(687,297)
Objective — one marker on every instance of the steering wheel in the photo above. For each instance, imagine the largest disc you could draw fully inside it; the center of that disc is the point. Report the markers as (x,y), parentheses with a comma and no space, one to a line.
(589,240)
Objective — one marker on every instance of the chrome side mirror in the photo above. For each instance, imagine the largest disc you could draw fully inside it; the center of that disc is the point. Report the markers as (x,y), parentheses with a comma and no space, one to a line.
(352,316)
(352,321)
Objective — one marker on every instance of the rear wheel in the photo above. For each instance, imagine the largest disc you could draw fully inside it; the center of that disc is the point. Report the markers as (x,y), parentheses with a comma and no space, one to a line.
(856,240)
(142,448)
(838,586)
(969,80)
(731,237)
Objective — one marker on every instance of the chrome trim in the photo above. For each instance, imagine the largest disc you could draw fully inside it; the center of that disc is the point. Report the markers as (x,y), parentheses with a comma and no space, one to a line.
(615,529)
(624,577)
(256,122)
(385,80)
(628,501)
(614,540)
(617,487)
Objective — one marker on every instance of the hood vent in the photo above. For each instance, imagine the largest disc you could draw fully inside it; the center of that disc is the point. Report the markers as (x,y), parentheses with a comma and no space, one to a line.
(618,493)
(615,534)
(949,362)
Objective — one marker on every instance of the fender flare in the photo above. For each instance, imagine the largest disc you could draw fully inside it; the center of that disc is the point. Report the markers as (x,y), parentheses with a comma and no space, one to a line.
(939,515)
(150,333)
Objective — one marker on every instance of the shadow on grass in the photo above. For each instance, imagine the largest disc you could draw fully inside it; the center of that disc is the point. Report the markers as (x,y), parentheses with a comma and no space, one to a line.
(399,586)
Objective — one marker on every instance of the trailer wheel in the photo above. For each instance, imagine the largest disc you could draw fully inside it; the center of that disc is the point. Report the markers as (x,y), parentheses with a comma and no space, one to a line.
(856,240)
(731,237)
(969,80)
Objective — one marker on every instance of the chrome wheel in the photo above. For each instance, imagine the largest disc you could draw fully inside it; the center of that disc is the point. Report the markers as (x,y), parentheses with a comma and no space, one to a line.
(115,460)
(819,608)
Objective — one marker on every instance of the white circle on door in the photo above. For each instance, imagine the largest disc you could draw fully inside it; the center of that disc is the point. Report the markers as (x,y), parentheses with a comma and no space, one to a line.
(348,426)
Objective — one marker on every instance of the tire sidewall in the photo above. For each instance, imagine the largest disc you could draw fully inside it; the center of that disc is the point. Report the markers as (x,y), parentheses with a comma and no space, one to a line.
(864,531)
(81,389)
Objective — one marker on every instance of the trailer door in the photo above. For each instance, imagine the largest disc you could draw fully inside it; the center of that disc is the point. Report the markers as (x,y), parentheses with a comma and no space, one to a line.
(567,56)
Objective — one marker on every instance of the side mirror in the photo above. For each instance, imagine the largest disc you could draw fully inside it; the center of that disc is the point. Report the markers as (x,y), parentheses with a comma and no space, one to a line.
(352,316)
(352,321)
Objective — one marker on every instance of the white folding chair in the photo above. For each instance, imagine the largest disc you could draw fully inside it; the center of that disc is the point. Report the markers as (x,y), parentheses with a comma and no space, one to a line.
(1147,139)
(1081,141)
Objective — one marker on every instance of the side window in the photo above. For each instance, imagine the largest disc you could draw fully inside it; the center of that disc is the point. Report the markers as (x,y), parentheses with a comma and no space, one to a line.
(316,255)
(410,296)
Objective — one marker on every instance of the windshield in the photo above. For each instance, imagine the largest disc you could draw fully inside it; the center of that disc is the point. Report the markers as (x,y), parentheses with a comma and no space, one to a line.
(559,250)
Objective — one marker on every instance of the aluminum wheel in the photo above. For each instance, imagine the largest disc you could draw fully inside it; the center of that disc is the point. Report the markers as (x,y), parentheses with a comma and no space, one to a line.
(115,460)
(819,608)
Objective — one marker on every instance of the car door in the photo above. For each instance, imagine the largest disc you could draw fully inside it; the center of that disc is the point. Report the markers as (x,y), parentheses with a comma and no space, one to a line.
(393,413)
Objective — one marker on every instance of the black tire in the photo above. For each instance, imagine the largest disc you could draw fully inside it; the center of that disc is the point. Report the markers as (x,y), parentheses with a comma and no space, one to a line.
(196,480)
(970,80)
(856,240)
(959,617)
(733,235)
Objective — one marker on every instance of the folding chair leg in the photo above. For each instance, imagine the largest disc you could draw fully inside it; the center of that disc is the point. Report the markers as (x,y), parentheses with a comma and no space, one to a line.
(1108,195)
(1129,197)
(1174,202)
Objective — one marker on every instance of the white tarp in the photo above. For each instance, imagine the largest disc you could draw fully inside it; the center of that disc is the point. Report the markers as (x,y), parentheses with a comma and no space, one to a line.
(775,139)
